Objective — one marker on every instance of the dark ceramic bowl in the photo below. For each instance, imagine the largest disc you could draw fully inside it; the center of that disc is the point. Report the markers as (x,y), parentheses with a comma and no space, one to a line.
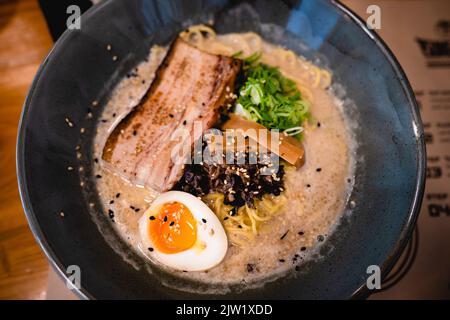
(390,169)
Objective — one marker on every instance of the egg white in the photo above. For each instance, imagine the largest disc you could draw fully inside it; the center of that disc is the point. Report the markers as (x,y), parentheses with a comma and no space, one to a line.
(210,247)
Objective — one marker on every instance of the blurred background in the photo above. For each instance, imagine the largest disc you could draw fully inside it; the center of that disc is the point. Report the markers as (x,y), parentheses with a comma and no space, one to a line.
(417,31)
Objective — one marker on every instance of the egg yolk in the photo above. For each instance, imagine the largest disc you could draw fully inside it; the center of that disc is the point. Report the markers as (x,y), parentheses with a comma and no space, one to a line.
(173,229)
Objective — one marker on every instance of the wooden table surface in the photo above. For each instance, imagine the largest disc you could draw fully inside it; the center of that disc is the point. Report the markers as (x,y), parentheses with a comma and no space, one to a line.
(24,42)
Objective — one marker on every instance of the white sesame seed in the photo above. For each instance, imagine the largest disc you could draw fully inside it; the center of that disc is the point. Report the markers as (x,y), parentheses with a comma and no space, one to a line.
(69,123)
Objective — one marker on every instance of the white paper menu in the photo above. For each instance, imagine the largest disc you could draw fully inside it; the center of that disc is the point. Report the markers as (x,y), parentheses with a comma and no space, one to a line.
(418,32)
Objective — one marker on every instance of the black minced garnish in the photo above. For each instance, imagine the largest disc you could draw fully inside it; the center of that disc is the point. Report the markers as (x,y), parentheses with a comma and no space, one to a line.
(284,235)
(240,183)
(250,267)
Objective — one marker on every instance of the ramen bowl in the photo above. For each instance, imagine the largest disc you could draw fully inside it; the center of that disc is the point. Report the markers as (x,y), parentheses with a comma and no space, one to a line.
(55,137)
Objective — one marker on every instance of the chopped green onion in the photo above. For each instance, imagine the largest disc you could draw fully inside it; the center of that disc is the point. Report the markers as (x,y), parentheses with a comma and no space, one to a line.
(271,99)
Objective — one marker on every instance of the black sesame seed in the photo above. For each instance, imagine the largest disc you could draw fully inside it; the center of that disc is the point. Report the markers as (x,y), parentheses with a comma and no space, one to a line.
(137,210)
(152,217)
(284,235)
(319,169)
(318,124)
(111,202)
(320,238)
(143,81)
(281,260)
(96,160)
(302,248)
(308,185)
(165,218)
(226,218)
(300,233)
(132,208)
(172,223)
(114,115)
(111,214)
(349,180)
(250,267)
(98,176)
(117,195)
(134,132)
(104,120)
(203,220)
(150,249)
(184,122)
(239,226)
(171,115)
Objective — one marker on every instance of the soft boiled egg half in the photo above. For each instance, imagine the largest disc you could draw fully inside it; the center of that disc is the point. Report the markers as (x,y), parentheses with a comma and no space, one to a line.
(180,231)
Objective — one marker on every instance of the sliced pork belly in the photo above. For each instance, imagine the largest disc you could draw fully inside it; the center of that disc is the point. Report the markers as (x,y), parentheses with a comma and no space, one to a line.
(190,85)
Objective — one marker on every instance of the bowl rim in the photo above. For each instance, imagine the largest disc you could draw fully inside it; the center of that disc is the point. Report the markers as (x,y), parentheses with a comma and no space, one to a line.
(408,228)
(362,292)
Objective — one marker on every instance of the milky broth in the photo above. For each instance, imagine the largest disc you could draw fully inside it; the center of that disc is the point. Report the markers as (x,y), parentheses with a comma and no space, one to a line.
(316,193)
